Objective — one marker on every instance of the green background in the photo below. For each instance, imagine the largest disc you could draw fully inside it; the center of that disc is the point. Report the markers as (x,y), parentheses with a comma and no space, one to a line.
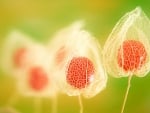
(41,18)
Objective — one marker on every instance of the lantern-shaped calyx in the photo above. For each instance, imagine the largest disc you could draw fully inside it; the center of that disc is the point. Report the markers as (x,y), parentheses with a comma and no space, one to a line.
(15,52)
(36,78)
(77,62)
(127,49)
(28,61)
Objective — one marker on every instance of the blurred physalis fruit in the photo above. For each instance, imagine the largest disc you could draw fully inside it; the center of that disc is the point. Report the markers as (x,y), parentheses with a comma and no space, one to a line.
(19,57)
(14,51)
(60,55)
(38,79)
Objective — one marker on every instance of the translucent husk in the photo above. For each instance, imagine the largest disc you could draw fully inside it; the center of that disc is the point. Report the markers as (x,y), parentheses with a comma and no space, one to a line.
(134,25)
(78,43)
(14,40)
(37,55)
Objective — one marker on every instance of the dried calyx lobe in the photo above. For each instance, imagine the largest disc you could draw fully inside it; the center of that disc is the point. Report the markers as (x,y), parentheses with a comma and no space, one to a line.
(131,55)
(80,72)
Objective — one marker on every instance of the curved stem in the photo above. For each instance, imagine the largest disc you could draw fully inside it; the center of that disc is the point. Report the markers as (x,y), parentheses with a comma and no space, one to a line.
(126,94)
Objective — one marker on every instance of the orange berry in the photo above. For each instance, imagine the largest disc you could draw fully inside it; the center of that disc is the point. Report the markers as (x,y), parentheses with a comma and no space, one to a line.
(38,78)
(19,56)
(79,72)
(60,55)
(131,55)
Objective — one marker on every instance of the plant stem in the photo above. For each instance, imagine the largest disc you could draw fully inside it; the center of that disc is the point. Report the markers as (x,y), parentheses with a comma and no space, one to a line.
(126,94)
(81,104)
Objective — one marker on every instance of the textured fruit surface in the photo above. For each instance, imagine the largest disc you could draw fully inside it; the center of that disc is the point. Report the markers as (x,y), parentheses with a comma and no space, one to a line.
(19,56)
(132,55)
(80,72)
(38,78)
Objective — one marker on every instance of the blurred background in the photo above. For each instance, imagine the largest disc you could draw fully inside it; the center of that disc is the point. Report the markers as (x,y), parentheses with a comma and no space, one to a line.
(42,18)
